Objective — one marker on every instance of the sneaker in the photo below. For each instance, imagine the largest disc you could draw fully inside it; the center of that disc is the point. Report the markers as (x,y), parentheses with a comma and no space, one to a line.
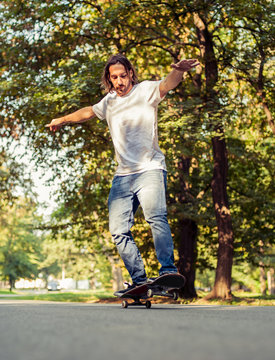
(123,291)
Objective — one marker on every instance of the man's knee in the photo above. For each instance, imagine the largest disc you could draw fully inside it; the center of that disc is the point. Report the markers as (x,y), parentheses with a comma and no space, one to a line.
(118,228)
(155,217)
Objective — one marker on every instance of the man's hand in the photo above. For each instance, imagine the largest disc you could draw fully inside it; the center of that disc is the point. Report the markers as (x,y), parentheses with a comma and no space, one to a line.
(56,124)
(185,65)
(175,76)
(76,117)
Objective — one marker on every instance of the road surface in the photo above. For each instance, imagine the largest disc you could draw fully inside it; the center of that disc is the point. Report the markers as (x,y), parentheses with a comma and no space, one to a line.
(73,331)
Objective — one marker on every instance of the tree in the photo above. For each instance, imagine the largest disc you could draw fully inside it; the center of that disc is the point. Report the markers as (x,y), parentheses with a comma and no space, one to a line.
(19,244)
(222,286)
(12,177)
(65,258)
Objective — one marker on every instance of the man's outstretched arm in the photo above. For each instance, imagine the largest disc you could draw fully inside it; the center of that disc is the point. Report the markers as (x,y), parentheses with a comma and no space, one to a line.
(76,117)
(175,76)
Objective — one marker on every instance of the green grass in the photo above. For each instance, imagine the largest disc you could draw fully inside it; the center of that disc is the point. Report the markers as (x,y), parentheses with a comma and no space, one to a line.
(74,296)
(90,296)
(6,291)
(240,298)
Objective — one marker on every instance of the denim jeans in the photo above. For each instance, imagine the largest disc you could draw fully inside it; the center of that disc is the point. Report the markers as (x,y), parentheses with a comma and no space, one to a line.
(147,189)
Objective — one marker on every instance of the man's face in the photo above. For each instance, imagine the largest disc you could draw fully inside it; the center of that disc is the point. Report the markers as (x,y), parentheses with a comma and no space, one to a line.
(121,80)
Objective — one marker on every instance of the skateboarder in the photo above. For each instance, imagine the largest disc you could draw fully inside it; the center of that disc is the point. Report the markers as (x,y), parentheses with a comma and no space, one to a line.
(130,109)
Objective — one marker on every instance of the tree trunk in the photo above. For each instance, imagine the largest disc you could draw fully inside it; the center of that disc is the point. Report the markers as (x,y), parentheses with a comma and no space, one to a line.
(271,281)
(116,274)
(187,236)
(262,278)
(222,286)
(11,283)
(187,257)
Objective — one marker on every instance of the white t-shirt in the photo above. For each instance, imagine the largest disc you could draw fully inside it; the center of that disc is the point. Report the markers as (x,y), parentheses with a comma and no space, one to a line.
(132,120)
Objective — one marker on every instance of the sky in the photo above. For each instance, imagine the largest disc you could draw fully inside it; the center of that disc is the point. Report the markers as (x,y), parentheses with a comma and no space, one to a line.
(45,193)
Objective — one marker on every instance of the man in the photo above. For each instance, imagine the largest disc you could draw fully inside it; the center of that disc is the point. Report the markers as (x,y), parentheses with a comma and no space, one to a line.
(130,109)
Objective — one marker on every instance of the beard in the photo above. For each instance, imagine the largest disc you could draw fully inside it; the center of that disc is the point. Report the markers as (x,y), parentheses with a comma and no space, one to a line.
(123,89)
(120,89)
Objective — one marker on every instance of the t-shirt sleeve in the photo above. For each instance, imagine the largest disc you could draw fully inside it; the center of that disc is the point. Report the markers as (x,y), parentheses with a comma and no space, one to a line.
(100,108)
(152,93)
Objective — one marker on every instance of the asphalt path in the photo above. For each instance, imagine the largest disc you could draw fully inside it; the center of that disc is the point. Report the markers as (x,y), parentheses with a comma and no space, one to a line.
(73,331)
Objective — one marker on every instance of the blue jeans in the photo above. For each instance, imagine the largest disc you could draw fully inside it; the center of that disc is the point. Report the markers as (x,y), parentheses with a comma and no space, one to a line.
(147,189)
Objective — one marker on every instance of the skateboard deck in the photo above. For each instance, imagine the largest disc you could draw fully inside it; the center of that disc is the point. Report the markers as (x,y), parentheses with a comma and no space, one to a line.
(165,285)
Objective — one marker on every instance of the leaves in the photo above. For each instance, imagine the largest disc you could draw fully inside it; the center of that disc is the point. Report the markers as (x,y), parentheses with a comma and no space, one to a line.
(19,244)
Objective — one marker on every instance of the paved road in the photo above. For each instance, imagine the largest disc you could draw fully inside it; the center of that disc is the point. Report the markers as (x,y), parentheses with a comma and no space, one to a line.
(60,331)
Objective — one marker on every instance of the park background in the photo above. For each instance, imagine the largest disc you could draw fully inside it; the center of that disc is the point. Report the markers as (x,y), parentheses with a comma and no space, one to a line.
(216,130)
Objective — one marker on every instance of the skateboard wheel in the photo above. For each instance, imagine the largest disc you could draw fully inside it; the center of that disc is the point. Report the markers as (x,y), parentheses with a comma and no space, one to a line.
(150,293)
(148,304)
(124,304)
(175,295)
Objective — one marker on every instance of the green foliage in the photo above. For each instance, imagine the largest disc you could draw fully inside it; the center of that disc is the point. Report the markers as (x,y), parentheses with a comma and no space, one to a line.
(79,248)
(65,256)
(247,277)
(19,244)
(205,279)
(252,196)
(12,178)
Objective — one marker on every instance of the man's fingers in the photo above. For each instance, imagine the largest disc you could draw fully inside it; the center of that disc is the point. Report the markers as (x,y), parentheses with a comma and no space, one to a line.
(51,127)
(54,125)
(196,64)
(185,64)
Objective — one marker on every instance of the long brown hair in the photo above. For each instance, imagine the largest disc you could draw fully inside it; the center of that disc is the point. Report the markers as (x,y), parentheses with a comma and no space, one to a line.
(114,59)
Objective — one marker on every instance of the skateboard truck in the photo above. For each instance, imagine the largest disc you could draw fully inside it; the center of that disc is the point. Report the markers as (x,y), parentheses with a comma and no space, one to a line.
(147,303)
(171,294)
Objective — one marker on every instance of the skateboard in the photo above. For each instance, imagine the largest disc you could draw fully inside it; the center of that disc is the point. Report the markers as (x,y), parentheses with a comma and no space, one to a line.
(165,285)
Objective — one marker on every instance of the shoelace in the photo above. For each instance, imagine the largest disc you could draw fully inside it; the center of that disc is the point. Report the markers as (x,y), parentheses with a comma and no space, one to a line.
(127,284)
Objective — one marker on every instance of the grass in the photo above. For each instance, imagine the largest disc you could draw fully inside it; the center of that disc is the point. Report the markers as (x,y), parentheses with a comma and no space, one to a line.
(239,298)
(106,296)
(5,291)
(70,296)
